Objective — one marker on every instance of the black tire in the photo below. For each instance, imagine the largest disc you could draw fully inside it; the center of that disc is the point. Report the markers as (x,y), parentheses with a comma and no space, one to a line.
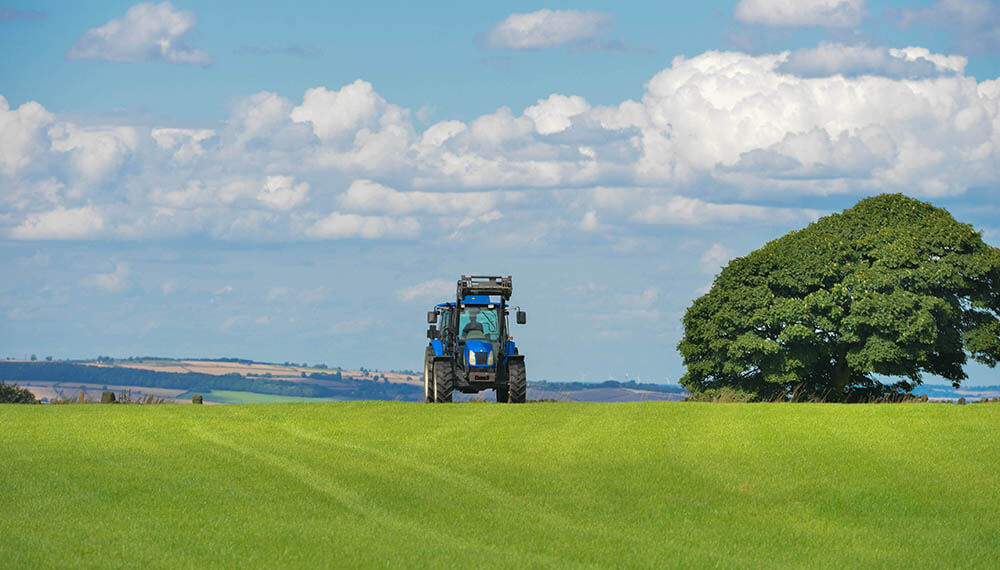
(429,376)
(502,395)
(444,381)
(517,381)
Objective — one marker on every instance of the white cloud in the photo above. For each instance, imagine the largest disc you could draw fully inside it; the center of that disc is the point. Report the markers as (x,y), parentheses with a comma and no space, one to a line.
(714,258)
(338,225)
(680,210)
(23,135)
(184,144)
(113,282)
(831,58)
(282,193)
(60,224)
(336,113)
(547,28)
(789,13)
(147,32)
(753,128)
(94,152)
(431,290)
(368,196)
(554,114)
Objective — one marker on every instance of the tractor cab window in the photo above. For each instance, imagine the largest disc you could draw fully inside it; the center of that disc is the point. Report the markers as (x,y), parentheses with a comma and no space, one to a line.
(478,322)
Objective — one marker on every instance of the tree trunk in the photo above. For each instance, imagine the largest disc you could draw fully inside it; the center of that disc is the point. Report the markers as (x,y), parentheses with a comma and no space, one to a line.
(841,374)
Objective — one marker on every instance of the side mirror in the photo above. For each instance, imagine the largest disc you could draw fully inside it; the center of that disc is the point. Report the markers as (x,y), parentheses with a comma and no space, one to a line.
(522,318)
(432,317)
(432,332)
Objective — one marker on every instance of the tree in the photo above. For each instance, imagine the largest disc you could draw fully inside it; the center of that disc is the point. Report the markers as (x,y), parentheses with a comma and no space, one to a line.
(892,287)
(14,394)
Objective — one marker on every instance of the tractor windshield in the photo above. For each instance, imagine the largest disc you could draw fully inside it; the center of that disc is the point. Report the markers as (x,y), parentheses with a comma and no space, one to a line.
(478,322)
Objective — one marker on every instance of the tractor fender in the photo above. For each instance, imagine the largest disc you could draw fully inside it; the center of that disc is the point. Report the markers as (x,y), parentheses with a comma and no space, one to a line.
(514,358)
(438,347)
(509,348)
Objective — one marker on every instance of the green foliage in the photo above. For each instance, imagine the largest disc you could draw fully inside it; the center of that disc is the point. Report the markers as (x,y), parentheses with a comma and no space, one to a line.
(197,399)
(892,287)
(107,397)
(14,394)
(724,394)
(563,485)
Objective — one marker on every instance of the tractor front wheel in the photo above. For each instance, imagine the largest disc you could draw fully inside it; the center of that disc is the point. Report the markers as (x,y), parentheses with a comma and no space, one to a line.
(517,382)
(444,381)
(502,395)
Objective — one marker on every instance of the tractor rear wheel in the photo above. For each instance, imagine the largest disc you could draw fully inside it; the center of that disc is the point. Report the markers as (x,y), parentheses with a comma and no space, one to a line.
(428,375)
(517,382)
(444,381)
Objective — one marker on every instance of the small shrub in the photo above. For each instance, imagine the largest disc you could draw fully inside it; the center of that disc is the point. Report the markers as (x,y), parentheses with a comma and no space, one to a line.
(726,394)
(961,401)
(14,394)
(197,399)
(107,397)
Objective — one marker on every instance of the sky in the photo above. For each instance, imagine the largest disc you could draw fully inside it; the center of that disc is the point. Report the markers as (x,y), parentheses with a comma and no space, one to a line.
(302,181)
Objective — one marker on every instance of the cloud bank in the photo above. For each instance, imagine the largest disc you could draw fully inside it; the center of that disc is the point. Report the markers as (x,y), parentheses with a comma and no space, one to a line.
(715,139)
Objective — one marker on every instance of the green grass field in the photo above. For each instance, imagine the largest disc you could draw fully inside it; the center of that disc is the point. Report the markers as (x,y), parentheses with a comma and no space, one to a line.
(235,397)
(472,485)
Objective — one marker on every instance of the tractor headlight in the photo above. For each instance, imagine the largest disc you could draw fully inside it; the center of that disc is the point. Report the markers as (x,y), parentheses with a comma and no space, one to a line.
(489,358)
(472,357)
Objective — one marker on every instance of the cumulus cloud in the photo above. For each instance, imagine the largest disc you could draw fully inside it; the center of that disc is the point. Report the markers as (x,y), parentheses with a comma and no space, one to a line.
(547,28)
(852,60)
(554,114)
(973,24)
(811,13)
(368,196)
(60,224)
(183,144)
(113,282)
(94,152)
(147,32)
(23,135)
(334,113)
(427,290)
(282,193)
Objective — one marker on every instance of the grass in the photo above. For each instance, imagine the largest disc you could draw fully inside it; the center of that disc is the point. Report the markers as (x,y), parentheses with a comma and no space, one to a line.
(541,485)
(236,397)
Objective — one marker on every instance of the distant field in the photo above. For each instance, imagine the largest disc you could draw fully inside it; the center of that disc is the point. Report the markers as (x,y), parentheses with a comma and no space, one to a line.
(471,485)
(232,397)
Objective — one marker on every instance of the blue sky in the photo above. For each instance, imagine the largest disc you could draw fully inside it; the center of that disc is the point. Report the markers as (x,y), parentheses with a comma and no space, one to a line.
(302,181)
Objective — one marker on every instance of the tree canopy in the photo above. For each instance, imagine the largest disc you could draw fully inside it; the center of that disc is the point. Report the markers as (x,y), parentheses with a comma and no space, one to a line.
(890,288)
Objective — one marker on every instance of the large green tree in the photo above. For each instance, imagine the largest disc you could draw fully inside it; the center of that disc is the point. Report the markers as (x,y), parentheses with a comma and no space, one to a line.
(891,288)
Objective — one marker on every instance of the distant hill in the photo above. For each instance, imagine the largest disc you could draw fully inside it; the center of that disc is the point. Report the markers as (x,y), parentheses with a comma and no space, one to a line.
(176,379)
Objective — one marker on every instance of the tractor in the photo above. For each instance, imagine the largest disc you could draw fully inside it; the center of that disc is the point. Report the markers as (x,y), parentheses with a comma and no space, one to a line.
(470,348)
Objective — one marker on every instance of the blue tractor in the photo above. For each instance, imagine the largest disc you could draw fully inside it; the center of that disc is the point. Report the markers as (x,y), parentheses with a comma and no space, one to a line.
(470,347)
